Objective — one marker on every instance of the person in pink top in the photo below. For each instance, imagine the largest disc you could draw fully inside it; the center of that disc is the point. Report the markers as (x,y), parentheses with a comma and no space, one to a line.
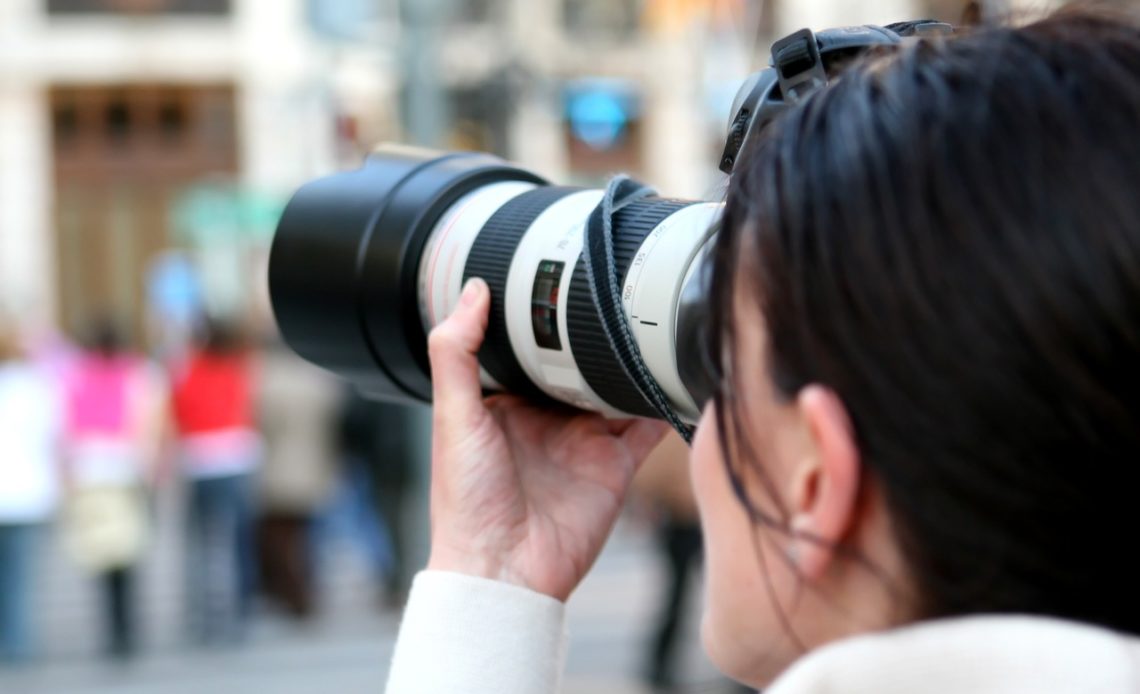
(110,434)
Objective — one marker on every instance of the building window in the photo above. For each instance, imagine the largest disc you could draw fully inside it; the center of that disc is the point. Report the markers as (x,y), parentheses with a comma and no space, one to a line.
(138,7)
(350,20)
(117,121)
(65,122)
(171,119)
(480,116)
(140,129)
(476,11)
(611,19)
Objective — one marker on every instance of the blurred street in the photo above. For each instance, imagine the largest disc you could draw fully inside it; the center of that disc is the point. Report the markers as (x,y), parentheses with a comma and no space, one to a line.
(346,650)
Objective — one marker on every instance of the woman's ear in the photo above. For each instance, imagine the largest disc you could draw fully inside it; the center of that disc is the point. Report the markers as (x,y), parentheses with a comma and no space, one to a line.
(826,490)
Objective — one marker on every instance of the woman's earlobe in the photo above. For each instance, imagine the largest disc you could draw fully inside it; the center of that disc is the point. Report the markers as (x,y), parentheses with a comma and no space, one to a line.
(807,551)
(794,549)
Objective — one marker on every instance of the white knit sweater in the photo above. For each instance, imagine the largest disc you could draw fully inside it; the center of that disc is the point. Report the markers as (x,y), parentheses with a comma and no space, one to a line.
(471,635)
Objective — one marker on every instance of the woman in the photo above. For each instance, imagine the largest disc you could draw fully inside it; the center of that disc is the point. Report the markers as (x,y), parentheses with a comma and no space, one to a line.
(219,450)
(920,465)
(112,432)
(30,422)
(298,405)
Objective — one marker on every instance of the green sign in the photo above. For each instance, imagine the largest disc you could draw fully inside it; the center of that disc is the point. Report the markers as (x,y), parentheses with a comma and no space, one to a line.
(212,215)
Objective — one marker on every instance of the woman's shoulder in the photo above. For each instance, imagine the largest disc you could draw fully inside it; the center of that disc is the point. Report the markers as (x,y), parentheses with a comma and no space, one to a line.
(980,655)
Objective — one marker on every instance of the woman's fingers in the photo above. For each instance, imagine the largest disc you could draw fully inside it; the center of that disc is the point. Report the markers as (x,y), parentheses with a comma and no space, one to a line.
(453,348)
(641,436)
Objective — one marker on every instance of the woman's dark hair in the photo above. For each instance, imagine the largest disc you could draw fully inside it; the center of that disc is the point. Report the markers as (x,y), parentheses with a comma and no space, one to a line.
(105,336)
(949,238)
(221,336)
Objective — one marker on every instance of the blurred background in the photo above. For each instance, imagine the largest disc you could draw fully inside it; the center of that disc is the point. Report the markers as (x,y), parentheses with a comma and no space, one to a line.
(151,541)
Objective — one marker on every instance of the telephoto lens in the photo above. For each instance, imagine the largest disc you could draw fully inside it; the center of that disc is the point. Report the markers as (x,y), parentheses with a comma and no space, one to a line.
(597,296)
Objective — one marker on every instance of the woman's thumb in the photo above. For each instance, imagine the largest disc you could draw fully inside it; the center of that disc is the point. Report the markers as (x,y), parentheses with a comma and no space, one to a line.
(453,348)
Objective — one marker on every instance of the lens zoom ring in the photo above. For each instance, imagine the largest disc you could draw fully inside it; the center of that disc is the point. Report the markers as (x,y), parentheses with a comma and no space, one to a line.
(490,258)
(596,361)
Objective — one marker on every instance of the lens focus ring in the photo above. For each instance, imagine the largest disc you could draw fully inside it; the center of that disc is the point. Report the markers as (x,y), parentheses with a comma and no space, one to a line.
(595,358)
(490,258)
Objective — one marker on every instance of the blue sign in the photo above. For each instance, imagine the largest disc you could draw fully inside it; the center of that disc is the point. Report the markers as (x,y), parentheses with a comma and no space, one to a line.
(173,289)
(599,111)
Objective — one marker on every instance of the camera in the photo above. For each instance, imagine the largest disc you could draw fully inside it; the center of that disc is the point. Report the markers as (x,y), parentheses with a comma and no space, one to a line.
(598,297)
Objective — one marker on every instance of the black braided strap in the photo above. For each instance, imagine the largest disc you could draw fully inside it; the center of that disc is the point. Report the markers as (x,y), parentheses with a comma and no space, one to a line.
(601,273)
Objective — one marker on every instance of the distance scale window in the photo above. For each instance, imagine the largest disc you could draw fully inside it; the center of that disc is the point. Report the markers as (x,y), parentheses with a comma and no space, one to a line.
(544,304)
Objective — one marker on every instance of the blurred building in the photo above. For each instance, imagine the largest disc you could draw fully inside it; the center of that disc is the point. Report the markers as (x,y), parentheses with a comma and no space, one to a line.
(128,127)
(132,127)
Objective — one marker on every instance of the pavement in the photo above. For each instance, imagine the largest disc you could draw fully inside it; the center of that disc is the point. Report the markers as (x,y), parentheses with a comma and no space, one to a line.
(346,650)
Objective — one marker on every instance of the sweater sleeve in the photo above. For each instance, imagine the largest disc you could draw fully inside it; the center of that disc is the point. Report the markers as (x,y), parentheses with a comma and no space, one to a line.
(466,634)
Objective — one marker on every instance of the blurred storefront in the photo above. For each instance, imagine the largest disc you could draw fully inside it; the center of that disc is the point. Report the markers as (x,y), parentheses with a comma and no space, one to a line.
(122,154)
(115,113)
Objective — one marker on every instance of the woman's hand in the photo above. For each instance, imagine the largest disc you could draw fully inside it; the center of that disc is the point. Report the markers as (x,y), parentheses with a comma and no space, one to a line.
(519,493)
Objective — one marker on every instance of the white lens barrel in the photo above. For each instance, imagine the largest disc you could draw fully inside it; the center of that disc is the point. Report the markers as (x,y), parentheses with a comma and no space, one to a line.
(445,256)
(538,288)
(652,290)
(556,236)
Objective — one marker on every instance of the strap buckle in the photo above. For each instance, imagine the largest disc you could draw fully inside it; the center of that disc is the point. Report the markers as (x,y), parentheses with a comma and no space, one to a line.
(799,66)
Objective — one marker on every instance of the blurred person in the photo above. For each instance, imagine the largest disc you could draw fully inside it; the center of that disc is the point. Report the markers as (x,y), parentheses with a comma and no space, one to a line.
(112,398)
(219,450)
(298,408)
(379,474)
(662,484)
(918,468)
(30,421)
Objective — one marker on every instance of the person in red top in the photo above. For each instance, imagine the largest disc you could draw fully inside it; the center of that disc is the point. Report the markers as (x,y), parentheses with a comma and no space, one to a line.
(219,449)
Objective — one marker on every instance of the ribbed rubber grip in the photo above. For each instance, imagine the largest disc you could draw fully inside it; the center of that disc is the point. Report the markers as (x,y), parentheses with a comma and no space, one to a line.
(490,258)
(596,361)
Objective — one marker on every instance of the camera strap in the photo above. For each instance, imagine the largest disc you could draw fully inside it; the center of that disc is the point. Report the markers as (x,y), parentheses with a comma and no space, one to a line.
(601,275)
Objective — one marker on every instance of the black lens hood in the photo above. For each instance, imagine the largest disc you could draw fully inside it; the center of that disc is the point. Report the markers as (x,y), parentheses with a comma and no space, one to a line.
(343,267)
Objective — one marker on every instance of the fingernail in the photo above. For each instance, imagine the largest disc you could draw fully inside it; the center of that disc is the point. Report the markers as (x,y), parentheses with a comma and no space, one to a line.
(470,292)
